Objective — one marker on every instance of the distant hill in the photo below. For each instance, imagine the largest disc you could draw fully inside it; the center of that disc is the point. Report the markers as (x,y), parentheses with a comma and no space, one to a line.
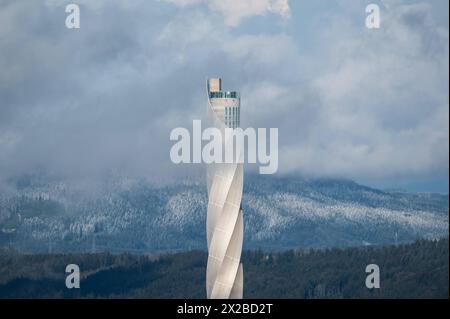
(418,270)
(120,214)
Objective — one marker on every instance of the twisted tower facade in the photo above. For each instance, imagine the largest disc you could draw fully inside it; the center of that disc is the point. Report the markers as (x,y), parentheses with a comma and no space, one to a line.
(225,227)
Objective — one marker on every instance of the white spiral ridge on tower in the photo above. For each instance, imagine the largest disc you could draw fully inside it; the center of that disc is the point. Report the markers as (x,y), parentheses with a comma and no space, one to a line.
(224,273)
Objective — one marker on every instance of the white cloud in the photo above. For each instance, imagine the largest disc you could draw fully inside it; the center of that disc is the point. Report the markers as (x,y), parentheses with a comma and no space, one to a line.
(383,109)
(235,11)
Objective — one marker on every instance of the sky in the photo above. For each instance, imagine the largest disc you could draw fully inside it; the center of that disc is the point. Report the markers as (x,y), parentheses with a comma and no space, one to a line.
(371,105)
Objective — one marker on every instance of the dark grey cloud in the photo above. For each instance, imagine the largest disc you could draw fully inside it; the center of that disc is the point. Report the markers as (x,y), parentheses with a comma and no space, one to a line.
(371,106)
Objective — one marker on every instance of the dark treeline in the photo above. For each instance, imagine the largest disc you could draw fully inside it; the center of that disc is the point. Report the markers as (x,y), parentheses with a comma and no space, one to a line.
(418,270)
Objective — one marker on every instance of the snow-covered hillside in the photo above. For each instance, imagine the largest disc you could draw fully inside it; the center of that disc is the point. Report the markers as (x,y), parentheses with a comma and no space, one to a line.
(138,216)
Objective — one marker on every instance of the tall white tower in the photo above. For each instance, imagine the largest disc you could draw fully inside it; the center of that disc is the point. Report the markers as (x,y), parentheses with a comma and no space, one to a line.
(224,225)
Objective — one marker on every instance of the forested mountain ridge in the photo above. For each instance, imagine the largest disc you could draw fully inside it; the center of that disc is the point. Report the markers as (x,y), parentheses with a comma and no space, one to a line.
(418,270)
